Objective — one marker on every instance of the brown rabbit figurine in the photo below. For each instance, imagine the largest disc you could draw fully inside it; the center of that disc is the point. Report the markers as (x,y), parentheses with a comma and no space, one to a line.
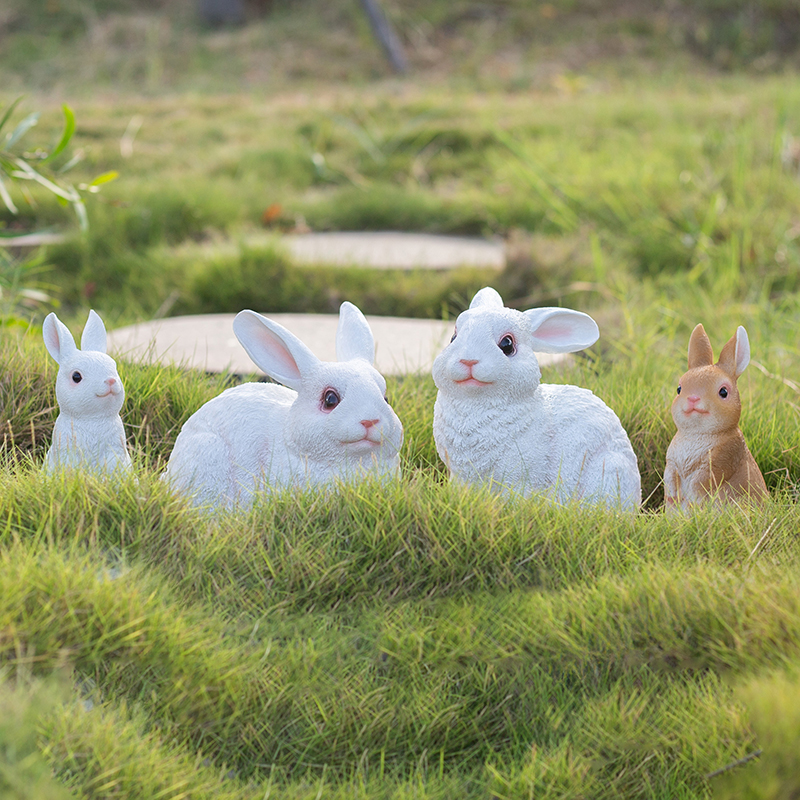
(708,456)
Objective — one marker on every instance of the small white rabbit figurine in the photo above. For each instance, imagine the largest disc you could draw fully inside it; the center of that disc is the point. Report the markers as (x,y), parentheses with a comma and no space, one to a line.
(495,423)
(334,421)
(88,433)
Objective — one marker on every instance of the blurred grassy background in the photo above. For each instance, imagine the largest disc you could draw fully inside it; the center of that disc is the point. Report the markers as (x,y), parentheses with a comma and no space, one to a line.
(628,138)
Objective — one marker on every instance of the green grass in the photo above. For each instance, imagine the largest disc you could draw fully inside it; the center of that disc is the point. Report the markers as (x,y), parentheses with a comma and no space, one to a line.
(417,639)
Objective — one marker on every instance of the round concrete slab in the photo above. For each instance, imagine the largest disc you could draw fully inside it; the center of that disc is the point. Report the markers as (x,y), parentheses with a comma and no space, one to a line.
(207,342)
(393,250)
(371,249)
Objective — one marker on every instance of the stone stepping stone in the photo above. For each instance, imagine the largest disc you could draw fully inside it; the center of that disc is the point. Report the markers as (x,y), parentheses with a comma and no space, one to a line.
(394,250)
(206,342)
(371,250)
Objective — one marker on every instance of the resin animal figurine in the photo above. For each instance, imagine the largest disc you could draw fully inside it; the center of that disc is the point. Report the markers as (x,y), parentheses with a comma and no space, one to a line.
(332,423)
(495,423)
(88,433)
(708,458)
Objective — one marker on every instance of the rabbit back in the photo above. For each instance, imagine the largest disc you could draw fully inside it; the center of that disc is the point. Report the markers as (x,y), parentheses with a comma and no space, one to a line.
(582,423)
(230,445)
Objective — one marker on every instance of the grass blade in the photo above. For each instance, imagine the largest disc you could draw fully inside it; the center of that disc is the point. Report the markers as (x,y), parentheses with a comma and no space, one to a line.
(69,129)
(22,129)
(9,112)
(7,198)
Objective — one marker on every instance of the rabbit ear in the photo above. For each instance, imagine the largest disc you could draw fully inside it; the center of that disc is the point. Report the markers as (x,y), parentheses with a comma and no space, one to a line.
(277,351)
(700,353)
(57,338)
(735,356)
(487,297)
(353,336)
(94,334)
(561,330)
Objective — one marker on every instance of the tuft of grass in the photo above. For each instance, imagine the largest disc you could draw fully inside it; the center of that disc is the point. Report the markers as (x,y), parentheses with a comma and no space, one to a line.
(24,704)
(772,711)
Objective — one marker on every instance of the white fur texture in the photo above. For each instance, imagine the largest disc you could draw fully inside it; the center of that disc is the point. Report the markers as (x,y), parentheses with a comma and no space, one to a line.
(88,433)
(495,423)
(257,437)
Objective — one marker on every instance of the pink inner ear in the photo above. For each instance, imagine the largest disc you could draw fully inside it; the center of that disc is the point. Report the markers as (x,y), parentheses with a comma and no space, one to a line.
(276,350)
(554,331)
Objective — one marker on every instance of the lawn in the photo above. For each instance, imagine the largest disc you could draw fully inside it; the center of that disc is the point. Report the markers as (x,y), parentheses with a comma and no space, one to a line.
(418,639)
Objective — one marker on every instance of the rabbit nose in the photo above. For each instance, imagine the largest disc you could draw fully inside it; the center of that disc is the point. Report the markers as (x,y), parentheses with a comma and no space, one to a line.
(469,363)
(368,423)
(693,398)
(111,381)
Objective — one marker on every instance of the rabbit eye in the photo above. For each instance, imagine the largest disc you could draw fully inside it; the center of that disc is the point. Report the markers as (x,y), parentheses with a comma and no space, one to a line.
(679,390)
(330,399)
(453,337)
(76,377)
(506,344)
(723,392)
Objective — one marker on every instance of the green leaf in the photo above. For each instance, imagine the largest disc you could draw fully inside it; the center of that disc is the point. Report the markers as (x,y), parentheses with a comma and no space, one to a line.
(69,129)
(28,172)
(76,159)
(106,177)
(83,218)
(7,198)
(22,129)
(9,111)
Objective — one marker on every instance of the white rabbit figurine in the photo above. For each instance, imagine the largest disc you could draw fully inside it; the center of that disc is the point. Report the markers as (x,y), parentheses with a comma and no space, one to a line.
(495,423)
(88,433)
(334,421)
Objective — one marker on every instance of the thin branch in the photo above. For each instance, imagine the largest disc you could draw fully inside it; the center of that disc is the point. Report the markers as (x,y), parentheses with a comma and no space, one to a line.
(734,764)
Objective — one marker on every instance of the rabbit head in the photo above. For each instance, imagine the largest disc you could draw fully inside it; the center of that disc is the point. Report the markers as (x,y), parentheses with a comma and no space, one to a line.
(707,400)
(492,351)
(341,411)
(87,384)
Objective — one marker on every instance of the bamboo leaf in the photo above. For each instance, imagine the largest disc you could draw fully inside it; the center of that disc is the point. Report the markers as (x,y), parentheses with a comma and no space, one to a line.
(68,194)
(106,177)
(83,217)
(9,111)
(7,198)
(69,129)
(76,159)
(22,129)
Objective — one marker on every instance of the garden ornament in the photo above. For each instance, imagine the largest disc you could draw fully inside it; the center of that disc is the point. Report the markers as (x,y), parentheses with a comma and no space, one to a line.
(708,458)
(88,433)
(332,423)
(495,423)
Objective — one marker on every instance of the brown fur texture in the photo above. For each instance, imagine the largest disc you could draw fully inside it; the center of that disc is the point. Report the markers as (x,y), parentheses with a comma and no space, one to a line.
(708,458)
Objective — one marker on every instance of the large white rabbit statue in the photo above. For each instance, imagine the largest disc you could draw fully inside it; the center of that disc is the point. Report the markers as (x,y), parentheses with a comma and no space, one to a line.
(494,422)
(88,433)
(332,423)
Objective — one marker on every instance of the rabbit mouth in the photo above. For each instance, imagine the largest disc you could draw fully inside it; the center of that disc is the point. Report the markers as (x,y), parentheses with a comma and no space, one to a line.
(689,411)
(109,393)
(472,382)
(364,440)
